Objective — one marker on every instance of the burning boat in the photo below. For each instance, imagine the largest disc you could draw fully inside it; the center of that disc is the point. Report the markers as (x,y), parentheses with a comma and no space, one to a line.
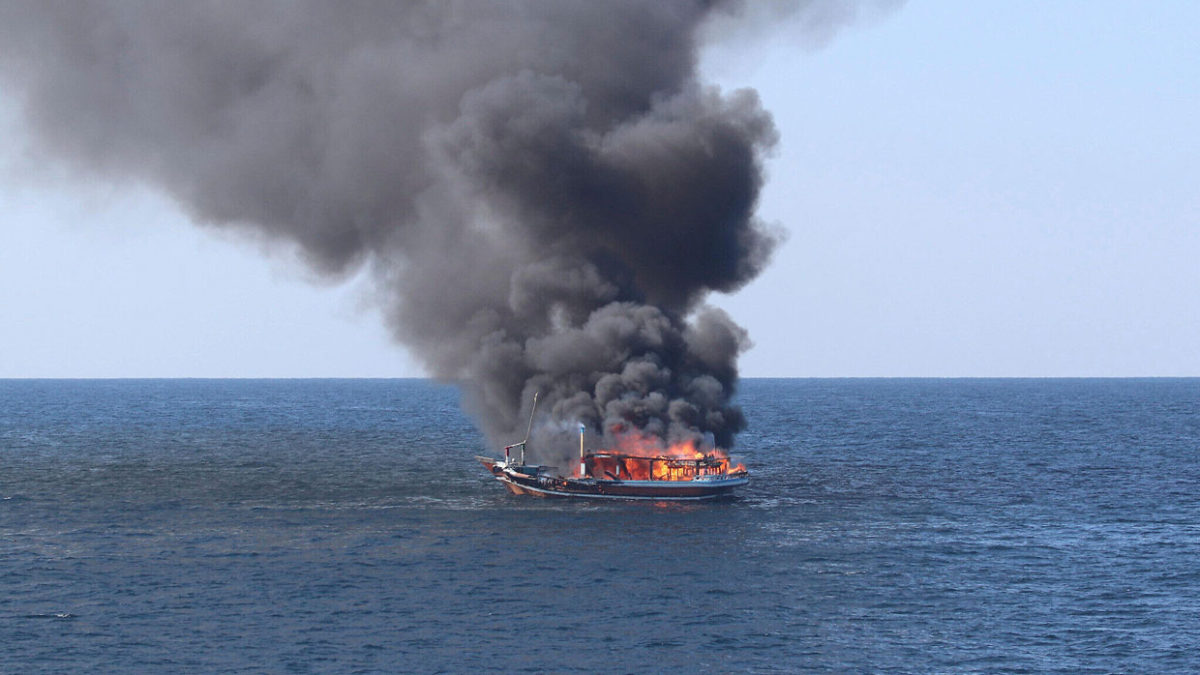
(639,469)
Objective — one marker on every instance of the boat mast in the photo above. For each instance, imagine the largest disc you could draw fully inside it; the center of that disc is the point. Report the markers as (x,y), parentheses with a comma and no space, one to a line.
(529,428)
(523,443)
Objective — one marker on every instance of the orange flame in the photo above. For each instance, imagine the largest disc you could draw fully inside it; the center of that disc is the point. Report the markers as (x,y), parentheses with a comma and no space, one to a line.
(638,456)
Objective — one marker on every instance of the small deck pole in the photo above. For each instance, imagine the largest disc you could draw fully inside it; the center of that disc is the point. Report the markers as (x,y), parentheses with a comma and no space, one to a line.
(582,466)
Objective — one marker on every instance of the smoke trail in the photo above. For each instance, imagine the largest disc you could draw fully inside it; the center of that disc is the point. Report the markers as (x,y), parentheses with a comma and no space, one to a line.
(544,191)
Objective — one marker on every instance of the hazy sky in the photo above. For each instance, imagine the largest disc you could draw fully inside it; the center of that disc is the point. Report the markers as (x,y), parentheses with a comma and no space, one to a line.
(970,189)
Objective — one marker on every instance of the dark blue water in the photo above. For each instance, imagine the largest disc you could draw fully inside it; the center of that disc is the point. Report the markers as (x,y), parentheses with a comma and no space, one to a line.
(343,526)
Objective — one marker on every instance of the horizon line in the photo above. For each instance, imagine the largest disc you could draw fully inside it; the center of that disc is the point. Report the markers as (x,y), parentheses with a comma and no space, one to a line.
(451,382)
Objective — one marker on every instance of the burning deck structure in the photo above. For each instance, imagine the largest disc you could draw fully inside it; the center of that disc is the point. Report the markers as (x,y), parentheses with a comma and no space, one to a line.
(640,468)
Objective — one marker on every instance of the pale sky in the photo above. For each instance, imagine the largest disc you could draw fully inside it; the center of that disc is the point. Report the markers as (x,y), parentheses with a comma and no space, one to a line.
(969,189)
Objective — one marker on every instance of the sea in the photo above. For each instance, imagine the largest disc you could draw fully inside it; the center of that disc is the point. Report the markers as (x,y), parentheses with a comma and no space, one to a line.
(343,526)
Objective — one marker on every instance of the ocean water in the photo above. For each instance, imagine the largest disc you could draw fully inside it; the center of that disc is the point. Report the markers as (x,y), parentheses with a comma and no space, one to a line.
(344,526)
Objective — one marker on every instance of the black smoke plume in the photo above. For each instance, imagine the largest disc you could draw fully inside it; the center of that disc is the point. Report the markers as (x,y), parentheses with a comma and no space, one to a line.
(544,190)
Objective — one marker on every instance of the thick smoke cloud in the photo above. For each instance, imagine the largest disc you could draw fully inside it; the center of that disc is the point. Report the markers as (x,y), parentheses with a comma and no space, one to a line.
(544,191)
